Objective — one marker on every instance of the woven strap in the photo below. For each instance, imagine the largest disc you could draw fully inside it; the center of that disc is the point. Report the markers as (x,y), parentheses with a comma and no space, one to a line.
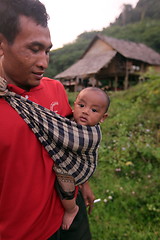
(73,147)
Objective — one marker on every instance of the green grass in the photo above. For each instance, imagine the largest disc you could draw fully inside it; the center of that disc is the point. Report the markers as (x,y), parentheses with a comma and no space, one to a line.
(127,178)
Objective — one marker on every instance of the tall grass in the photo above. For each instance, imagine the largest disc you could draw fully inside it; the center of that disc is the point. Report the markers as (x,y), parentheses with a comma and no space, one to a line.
(127,179)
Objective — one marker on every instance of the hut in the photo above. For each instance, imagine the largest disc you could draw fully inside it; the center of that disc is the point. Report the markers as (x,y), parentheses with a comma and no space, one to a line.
(111,63)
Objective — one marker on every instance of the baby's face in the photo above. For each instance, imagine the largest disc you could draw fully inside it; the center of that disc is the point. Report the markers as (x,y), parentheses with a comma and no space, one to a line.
(90,108)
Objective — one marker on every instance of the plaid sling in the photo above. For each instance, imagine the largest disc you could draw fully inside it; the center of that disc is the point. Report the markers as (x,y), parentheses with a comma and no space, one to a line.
(73,147)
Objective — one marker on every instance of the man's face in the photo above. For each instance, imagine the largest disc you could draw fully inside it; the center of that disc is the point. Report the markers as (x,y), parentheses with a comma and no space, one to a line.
(24,62)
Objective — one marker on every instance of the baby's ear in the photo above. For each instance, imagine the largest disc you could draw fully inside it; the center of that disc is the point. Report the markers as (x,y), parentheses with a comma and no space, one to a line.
(73,107)
(104,117)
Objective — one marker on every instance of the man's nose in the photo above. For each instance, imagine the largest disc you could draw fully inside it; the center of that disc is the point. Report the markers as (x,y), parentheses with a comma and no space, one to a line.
(43,61)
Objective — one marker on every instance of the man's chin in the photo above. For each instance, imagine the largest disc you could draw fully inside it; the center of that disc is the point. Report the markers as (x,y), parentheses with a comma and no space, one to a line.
(30,85)
(34,83)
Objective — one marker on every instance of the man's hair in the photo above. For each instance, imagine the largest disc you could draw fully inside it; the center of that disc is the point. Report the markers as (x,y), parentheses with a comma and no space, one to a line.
(11,10)
(96,89)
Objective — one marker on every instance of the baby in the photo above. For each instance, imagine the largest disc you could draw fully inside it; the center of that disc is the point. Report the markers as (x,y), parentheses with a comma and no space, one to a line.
(90,108)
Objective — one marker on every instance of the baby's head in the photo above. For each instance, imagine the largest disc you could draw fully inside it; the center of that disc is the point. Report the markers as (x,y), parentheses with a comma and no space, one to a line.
(91,106)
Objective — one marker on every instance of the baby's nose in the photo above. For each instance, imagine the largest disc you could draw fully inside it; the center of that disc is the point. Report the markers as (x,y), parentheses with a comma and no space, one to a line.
(86,110)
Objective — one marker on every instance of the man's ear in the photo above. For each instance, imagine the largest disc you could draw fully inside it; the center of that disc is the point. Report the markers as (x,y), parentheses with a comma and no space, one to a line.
(104,117)
(2,42)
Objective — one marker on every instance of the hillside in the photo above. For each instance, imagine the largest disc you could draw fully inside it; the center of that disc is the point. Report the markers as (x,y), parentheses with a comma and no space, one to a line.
(127,176)
(140,24)
(145,9)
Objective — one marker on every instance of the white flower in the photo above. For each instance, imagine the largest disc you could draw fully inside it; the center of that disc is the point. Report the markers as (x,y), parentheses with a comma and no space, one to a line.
(118,169)
(110,197)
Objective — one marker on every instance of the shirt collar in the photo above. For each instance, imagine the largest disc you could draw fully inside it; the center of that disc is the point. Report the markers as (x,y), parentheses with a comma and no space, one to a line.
(20,91)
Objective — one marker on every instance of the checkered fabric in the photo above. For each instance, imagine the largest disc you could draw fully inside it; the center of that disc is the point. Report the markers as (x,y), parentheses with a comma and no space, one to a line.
(73,147)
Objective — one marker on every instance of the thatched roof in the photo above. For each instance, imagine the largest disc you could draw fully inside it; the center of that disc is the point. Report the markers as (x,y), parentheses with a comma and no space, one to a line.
(132,50)
(91,64)
(88,65)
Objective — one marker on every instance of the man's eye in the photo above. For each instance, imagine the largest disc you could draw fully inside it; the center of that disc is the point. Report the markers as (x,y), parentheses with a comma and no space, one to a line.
(47,52)
(34,50)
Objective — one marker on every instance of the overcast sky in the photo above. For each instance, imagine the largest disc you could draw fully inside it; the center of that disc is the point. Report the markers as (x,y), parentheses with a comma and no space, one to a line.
(70,18)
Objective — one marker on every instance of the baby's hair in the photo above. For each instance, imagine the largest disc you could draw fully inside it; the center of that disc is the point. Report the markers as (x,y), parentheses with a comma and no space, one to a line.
(96,89)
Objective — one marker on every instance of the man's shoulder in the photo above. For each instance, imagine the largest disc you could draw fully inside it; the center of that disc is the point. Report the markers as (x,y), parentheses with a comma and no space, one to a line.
(54,95)
(51,85)
(50,81)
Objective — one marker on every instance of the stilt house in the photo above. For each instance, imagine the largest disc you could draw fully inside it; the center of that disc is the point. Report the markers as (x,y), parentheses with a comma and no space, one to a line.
(111,63)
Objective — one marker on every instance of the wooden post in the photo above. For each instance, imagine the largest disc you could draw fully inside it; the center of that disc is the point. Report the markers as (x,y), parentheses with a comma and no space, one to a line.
(116,83)
(76,84)
(93,81)
(126,77)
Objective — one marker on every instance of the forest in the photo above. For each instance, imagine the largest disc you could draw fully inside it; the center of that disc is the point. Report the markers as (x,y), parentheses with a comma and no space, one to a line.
(140,24)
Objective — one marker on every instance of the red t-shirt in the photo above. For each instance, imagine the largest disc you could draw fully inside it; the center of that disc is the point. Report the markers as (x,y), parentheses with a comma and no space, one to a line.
(30,208)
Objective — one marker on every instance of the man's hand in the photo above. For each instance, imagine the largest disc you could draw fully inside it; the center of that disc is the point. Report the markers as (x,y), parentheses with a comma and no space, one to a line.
(88,196)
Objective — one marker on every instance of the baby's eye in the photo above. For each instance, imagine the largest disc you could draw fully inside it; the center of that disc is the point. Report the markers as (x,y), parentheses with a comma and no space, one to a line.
(81,105)
(94,110)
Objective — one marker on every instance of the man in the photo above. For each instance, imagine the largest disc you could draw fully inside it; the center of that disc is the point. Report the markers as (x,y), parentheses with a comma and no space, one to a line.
(29,205)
